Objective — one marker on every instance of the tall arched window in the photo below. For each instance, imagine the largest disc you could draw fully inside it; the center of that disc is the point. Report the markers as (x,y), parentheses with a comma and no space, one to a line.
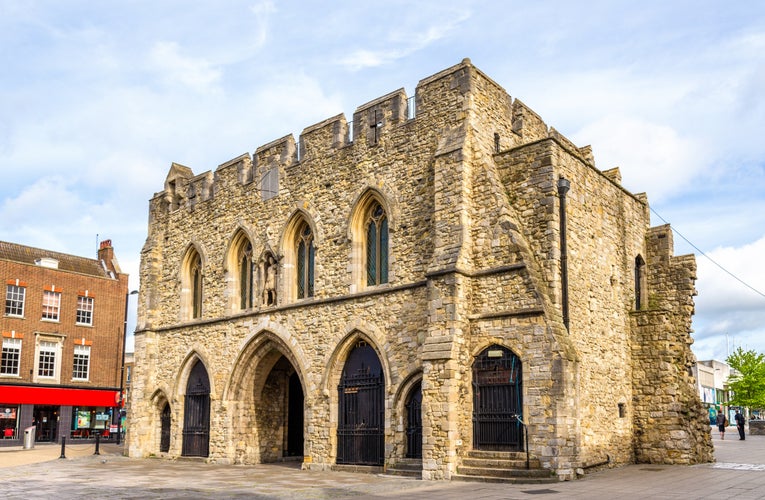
(196,273)
(191,285)
(305,261)
(246,272)
(377,246)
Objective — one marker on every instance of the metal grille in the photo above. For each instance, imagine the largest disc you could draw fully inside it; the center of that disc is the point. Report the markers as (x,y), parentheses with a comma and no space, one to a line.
(414,423)
(497,403)
(360,437)
(196,417)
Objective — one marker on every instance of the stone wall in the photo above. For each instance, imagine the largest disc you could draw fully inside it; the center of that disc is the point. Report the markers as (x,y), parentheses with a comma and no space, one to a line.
(469,187)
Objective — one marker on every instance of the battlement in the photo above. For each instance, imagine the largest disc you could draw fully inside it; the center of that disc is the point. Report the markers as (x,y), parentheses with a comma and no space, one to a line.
(443,101)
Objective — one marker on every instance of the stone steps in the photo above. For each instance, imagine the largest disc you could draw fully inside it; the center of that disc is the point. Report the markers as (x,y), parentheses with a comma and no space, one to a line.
(408,467)
(502,466)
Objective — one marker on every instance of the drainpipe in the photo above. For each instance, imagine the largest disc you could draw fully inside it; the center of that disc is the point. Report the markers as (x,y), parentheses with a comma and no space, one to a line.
(563,187)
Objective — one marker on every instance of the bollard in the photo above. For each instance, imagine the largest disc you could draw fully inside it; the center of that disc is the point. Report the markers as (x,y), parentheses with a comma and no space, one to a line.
(98,441)
(63,447)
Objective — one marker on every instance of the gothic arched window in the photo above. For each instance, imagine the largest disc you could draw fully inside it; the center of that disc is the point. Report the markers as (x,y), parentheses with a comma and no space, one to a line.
(305,261)
(246,272)
(377,246)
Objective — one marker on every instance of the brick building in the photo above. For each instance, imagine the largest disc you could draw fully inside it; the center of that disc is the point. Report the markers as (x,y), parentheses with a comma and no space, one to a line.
(421,289)
(62,340)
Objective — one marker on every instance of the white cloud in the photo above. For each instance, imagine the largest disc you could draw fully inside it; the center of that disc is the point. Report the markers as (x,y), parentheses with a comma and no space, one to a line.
(652,157)
(177,69)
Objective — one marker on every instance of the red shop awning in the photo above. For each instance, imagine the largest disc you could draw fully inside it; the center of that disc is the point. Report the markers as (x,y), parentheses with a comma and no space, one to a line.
(10,394)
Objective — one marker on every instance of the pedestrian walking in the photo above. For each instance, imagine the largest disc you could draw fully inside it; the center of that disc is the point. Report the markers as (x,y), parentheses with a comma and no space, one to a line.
(722,422)
(740,421)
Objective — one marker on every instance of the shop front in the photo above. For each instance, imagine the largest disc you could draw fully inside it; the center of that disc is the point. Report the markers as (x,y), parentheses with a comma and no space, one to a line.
(57,412)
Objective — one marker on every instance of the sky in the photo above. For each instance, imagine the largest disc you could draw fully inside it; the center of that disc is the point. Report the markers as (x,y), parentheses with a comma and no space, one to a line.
(97,99)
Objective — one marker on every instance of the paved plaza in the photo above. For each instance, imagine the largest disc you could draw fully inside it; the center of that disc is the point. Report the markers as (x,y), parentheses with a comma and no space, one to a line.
(41,473)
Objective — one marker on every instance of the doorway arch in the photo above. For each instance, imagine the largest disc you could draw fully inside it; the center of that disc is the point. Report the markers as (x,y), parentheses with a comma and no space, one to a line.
(196,414)
(361,408)
(497,400)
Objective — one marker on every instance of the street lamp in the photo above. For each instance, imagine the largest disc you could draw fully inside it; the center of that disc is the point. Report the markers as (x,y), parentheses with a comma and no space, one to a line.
(122,369)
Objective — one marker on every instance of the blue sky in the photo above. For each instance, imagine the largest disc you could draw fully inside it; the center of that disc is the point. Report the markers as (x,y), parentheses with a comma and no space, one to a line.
(98,98)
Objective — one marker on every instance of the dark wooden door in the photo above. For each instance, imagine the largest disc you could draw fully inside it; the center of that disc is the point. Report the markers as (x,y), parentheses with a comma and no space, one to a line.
(361,407)
(165,419)
(196,415)
(414,423)
(497,403)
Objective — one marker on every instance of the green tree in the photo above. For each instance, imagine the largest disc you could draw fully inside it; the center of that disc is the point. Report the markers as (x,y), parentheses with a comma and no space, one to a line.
(748,385)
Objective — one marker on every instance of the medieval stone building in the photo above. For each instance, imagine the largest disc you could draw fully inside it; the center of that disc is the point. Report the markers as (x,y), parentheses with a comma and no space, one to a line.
(444,278)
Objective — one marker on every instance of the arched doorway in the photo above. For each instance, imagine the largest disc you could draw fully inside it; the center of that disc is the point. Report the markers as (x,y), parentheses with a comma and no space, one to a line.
(165,419)
(414,422)
(196,414)
(361,408)
(497,400)
(295,400)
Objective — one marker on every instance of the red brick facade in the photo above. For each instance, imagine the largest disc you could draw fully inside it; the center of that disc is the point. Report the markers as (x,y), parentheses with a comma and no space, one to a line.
(101,283)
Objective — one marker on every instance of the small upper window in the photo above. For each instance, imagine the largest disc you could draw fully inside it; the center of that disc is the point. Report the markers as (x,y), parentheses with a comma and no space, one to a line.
(85,310)
(14,300)
(51,305)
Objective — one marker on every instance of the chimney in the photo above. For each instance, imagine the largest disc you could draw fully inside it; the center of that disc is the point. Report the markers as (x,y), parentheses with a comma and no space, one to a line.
(106,256)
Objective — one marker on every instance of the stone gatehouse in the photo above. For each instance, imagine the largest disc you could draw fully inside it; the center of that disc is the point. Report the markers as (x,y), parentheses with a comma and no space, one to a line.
(444,274)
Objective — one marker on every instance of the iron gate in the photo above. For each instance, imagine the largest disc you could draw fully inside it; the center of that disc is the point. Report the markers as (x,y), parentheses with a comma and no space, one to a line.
(497,404)
(196,415)
(414,423)
(361,408)
(164,443)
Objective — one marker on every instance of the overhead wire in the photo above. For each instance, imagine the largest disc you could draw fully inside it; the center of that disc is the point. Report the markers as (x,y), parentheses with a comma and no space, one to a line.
(701,252)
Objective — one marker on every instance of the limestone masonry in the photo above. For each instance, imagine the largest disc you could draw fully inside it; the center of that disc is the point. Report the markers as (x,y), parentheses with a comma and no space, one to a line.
(443,282)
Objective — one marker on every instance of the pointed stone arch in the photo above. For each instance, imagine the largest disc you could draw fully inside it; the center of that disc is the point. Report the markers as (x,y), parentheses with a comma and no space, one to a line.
(298,244)
(369,229)
(266,380)
(240,266)
(192,282)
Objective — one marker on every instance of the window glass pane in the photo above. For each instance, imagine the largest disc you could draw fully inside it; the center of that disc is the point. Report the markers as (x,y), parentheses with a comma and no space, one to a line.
(384,250)
(84,310)
(11,356)
(46,366)
(310,268)
(14,300)
(301,270)
(372,254)
(51,305)
(81,362)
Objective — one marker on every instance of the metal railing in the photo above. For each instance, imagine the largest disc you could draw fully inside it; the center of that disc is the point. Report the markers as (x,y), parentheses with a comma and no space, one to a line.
(525,438)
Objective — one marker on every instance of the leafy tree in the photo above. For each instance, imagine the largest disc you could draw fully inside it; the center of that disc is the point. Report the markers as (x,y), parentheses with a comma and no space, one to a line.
(748,385)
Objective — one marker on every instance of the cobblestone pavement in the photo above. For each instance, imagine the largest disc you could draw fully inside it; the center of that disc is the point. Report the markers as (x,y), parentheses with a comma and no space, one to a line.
(40,473)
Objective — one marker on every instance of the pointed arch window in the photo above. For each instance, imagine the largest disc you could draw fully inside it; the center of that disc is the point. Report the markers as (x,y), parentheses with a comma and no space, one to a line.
(196,280)
(377,246)
(305,262)
(246,273)
(191,285)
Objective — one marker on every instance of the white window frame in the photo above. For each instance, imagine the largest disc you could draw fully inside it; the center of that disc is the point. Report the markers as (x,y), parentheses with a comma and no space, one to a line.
(52,344)
(51,302)
(15,293)
(85,308)
(83,352)
(9,345)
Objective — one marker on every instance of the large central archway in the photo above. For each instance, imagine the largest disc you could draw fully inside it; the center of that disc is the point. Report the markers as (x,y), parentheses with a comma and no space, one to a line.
(267,402)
